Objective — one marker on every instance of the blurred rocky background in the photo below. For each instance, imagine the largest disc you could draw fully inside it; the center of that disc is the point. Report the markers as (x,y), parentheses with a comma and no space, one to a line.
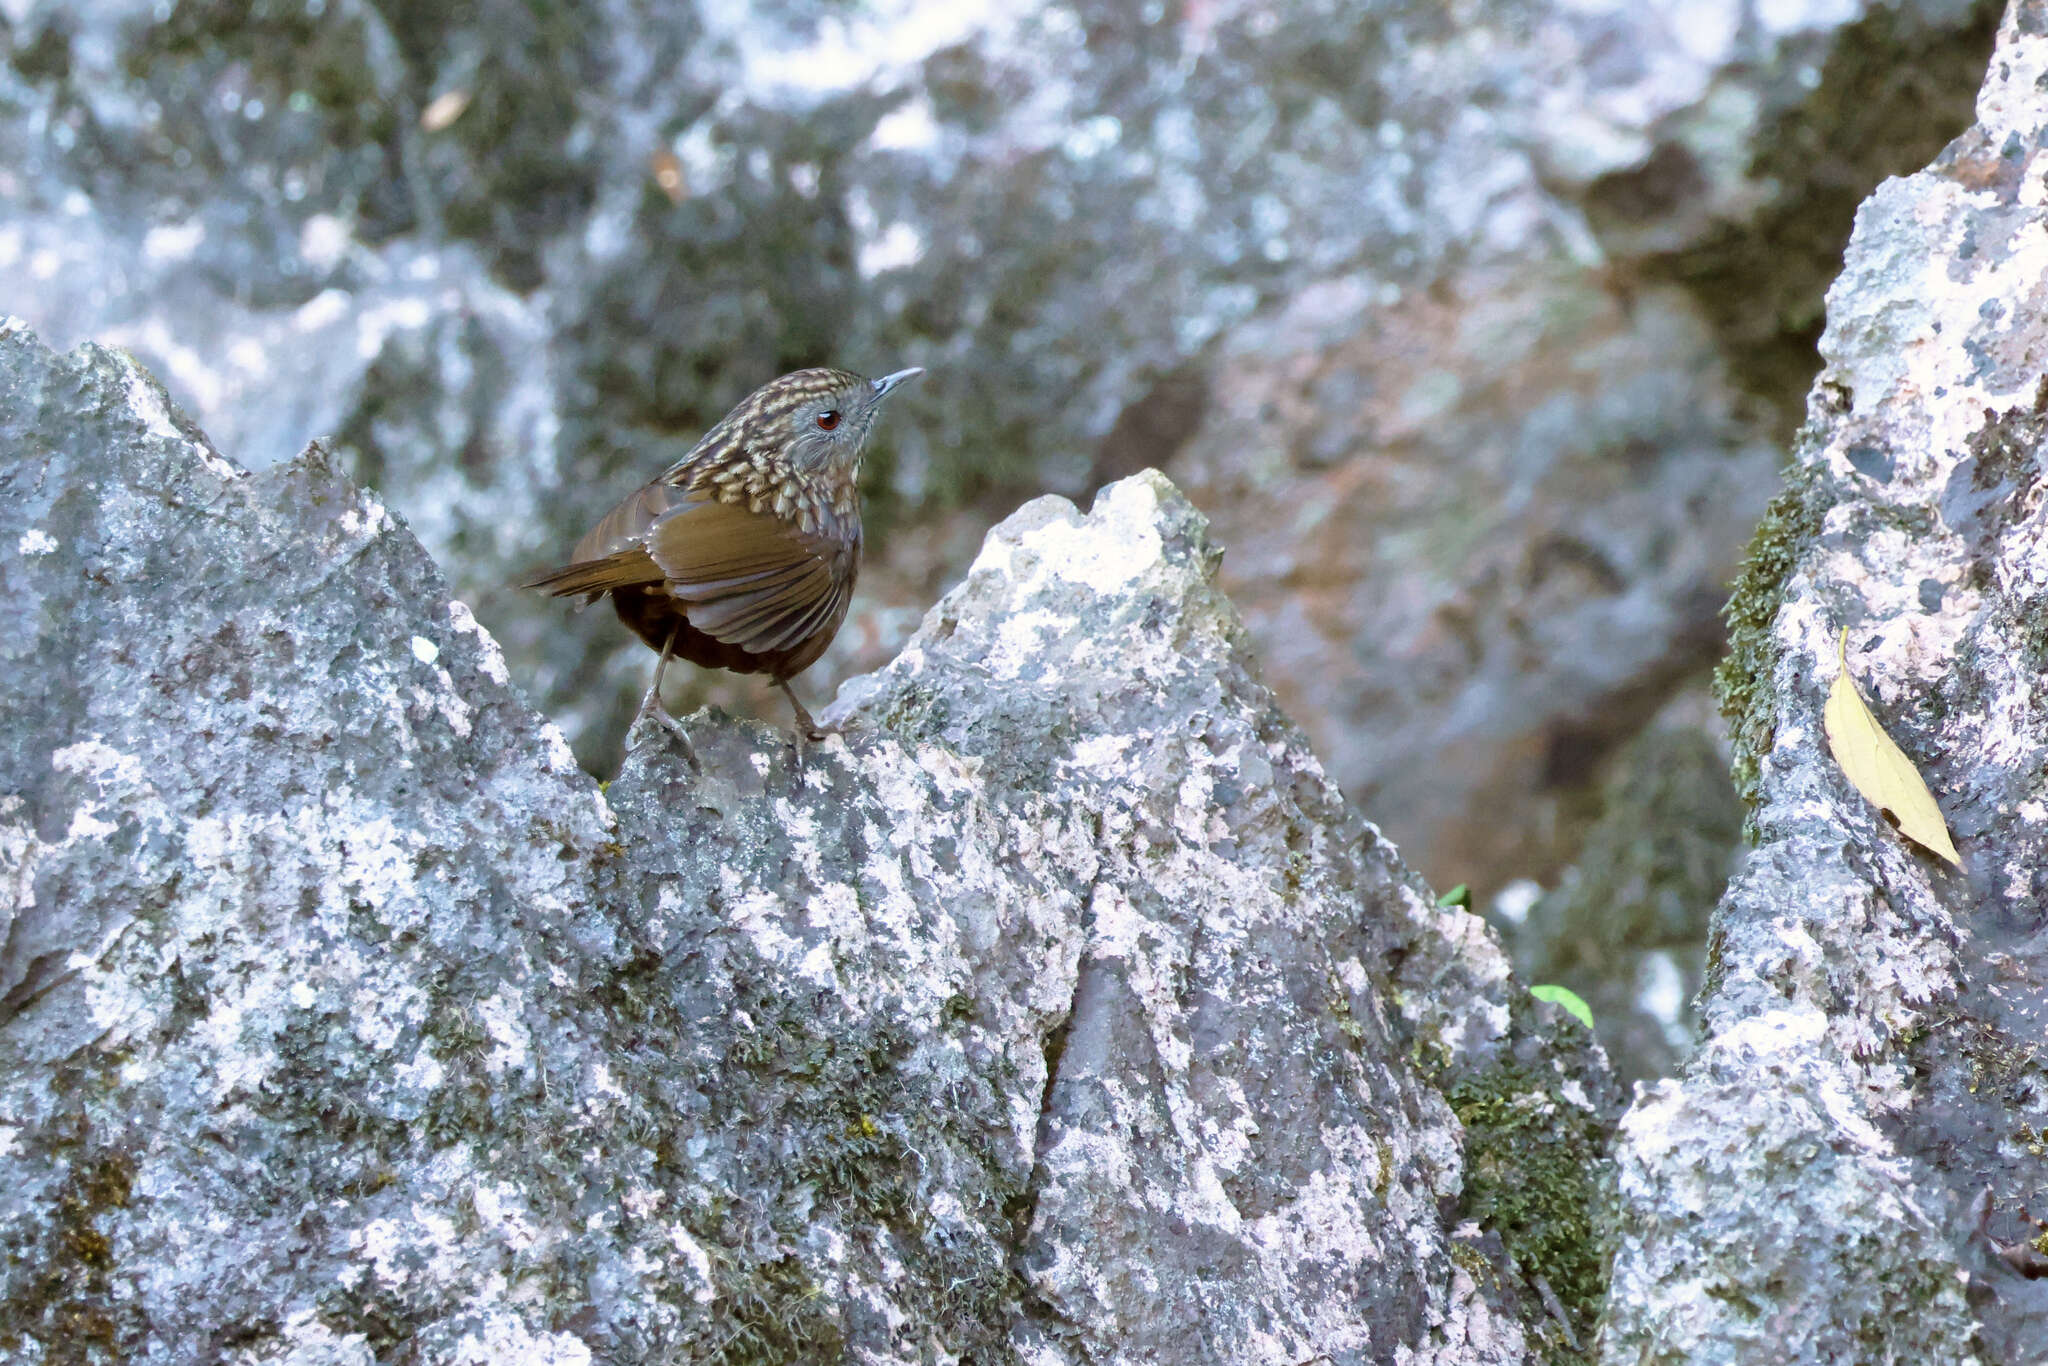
(1478,329)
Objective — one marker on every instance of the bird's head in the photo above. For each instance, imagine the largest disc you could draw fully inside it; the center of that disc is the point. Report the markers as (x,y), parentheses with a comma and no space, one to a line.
(809,421)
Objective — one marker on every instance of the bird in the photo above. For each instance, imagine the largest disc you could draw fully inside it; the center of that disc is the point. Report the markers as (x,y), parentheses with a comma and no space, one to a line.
(742,555)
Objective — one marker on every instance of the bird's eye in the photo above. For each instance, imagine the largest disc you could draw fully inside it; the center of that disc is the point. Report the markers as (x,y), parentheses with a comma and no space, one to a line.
(828,419)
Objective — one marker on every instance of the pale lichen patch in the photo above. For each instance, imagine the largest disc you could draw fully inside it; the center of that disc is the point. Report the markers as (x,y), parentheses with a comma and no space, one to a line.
(490,657)
(502,1015)
(1020,641)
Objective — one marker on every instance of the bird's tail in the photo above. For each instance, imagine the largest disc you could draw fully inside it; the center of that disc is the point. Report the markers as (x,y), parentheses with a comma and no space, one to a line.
(626,569)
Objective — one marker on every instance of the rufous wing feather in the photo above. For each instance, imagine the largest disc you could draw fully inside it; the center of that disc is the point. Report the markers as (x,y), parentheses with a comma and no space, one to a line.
(627,569)
(750,579)
(611,556)
(626,526)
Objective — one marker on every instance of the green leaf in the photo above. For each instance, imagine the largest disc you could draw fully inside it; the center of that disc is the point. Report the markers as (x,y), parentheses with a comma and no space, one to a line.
(1460,895)
(1566,997)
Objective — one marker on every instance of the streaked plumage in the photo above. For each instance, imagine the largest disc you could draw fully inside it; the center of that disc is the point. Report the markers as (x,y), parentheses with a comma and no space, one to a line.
(743,554)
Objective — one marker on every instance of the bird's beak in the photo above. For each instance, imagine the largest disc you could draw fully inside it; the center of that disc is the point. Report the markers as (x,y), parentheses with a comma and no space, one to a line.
(888,382)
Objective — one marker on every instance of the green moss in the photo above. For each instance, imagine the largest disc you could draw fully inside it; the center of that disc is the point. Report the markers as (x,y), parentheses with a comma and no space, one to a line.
(1473,1262)
(371,1310)
(1347,1024)
(863,1135)
(1652,866)
(1533,1171)
(1742,680)
(66,1305)
(917,711)
(774,1314)
(1339,1002)
(861,1166)
(639,994)
(455,1033)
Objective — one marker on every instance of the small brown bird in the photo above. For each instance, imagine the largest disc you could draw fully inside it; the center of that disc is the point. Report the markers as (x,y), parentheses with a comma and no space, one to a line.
(742,555)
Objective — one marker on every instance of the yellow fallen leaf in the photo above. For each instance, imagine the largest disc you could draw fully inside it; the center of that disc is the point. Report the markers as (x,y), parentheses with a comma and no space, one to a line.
(1878,768)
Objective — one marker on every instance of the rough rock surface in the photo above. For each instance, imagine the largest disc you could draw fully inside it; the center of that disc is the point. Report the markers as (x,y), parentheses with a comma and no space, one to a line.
(1061,1011)
(1803,1191)
(1469,321)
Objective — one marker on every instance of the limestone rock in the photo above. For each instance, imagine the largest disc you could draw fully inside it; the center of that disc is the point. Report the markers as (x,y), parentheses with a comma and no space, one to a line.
(1804,1188)
(1058,1011)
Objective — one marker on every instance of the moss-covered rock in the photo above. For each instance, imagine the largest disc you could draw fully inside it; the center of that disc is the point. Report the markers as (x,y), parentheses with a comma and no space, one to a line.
(1743,678)
(1830,1176)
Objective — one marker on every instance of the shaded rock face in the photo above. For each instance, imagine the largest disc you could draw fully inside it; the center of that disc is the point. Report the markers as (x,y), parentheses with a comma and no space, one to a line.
(1060,1011)
(1804,1189)
(1442,309)
(1627,925)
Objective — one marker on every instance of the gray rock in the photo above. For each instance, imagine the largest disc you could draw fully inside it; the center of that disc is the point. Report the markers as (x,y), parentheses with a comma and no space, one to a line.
(1321,259)
(1059,1011)
(1804,1190)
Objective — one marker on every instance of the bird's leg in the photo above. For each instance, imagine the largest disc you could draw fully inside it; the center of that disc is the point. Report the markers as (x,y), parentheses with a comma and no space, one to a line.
(650,705)
(806,728)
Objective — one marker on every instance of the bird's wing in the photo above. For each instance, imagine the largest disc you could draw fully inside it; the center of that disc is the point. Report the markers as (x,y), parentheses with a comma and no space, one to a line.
(625,527)
(748,578)
(613,554)
(627,569)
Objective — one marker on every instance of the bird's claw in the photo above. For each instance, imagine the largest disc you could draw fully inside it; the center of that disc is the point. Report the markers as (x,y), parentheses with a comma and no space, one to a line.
(658,716)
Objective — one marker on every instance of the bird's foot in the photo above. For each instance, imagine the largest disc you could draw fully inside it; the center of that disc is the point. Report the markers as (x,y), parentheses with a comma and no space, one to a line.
(806,727)
(652,713)
(652,710)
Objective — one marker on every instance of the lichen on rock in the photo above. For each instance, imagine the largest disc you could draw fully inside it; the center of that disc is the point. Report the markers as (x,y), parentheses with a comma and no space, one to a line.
(1803,1188)
(1059,1010)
